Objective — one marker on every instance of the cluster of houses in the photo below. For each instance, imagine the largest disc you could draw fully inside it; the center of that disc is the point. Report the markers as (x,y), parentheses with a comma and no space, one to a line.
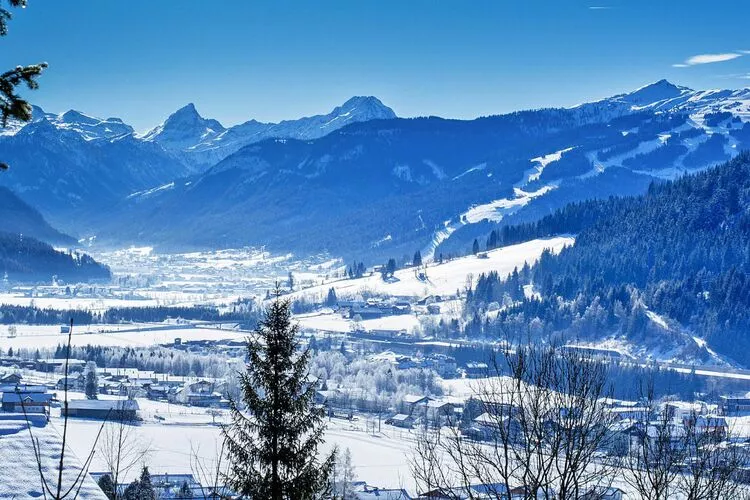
(374,308)
(134,383)
(442,364)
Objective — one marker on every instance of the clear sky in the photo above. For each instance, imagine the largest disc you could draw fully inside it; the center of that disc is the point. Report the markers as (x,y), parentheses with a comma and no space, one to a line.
(142,59)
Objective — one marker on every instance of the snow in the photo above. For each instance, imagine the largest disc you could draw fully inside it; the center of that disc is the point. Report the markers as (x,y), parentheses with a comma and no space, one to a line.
(542,162)
(18,469)
(442,279)
(47,336)
(497,209)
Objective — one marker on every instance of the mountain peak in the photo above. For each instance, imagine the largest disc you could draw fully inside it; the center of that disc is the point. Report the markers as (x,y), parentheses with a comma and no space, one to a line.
(184,126)
(367,107)
(655,92)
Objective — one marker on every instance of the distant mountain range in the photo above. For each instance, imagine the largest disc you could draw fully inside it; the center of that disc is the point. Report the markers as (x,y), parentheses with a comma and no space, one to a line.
(360,182)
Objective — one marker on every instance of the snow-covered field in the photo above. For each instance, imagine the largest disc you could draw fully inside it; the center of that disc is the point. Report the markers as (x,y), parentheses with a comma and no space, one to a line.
(40,336)
(442,279)
(185,432)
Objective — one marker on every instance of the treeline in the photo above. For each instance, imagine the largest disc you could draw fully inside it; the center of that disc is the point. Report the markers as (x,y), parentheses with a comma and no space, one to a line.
(682,250)
(31,315)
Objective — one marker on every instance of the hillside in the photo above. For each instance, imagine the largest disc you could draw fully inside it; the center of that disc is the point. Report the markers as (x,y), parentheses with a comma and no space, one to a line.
(28,260)
(383,188)
(16,216)
(648,269)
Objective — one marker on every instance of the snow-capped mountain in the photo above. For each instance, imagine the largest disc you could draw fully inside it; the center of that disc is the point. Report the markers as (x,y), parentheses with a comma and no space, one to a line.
(184,129)
(203,142)
(389,187)
(359,179)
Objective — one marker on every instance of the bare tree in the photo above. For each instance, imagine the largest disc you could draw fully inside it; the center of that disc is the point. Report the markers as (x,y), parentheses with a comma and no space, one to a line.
(210,472)
(56,488)
(121,447)
(713,464)
(654,460)
(543,422)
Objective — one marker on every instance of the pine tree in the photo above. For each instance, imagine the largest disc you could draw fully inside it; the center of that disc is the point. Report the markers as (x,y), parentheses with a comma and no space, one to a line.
(12,106)
(331,299)
(273,450)
(107,486)
(145,488)
(185,491)
(92,381)
(475,247)
(417,261)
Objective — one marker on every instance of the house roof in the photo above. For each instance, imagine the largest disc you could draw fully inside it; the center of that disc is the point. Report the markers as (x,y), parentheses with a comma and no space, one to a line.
(36,397)
(401,417)
(413,398)
(103,404)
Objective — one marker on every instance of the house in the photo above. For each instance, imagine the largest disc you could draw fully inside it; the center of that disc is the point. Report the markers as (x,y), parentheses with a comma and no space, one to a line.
(712,425)
(482,491)
(638,413)
(735,406)
(9,381)
(412,402)
(28,402)
(401,420)
(169,486)
(157,392)
(488,427)
(476,370)
(58,364)
(110,409)
(439,412)
(364,491)
(618,437)
(603,493)
(199,393)
(75,382)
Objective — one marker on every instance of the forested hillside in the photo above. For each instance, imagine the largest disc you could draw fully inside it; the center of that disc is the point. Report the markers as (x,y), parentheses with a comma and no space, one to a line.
(17,216)
(682,251)
(29,260)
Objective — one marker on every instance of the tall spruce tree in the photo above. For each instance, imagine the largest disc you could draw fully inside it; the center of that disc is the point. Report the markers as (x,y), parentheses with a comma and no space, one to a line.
(273,448)
(92,381)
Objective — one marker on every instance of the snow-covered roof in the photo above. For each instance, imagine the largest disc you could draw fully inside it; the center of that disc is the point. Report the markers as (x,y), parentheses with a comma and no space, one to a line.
(103,404)
(20,473)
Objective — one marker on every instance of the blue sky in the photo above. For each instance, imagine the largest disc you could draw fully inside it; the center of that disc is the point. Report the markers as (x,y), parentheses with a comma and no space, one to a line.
(142,59)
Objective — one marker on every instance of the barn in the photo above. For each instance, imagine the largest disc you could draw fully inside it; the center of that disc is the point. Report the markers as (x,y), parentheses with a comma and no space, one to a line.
(110,409)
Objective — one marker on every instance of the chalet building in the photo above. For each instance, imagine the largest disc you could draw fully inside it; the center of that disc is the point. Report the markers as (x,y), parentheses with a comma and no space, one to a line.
(75,383)
(201,393)
(401,420)
(58,365)
(735,406)
(414,404)
(9,382)
(29,402)
(476,370)
(110,409)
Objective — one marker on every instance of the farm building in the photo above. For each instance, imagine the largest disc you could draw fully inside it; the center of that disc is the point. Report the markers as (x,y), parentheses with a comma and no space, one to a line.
(30,402)
(111,409)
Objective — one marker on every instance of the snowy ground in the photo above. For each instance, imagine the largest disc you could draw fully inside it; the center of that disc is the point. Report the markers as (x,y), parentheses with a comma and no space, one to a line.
(442,279)
(19,473)
(184,433)
(39,336)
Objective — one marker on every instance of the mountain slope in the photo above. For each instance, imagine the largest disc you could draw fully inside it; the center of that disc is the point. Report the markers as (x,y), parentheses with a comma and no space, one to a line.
(389,187)
(679,253)
(16,216)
